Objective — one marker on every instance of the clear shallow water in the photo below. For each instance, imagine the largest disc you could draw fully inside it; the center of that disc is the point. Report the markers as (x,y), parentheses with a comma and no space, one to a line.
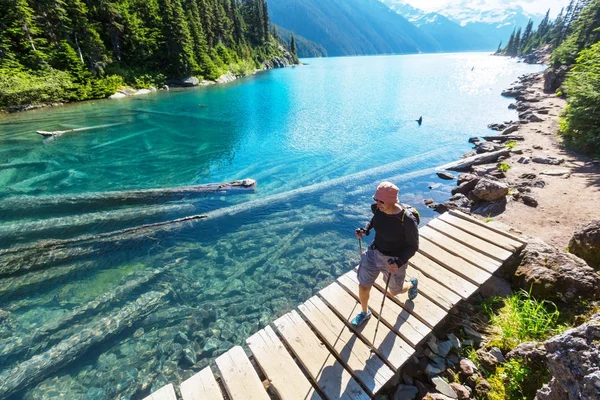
(317,138)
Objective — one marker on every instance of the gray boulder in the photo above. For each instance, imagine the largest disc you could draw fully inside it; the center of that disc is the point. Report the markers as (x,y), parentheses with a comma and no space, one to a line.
(533,353)
(489,190)
(548,160)
(445,175)
(574,361)
(552,274)
(406,392)
(443,387)
(510,129)
(553,78)
(585,243)
(487,147)
(465,187)
(190,81)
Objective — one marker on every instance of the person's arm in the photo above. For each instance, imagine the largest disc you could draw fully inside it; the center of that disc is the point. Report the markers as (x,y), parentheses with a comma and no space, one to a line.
(369,226)
(411,234)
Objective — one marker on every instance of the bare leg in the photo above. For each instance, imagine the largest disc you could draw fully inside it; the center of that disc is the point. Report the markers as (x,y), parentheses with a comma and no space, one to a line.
(407,285)
(363,295)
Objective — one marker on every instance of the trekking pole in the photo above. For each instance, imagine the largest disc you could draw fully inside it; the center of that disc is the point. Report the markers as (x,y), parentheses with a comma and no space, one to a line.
(359,248)
(387,283)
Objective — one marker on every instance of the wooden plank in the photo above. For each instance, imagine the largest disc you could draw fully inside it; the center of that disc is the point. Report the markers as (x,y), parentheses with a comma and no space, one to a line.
(387,344)
(512,236)
(201,386)
(329,374)
(164,393)
(491,250)
(433,290)
(421,307)
(481,232)
(354,353)
(398,319)
(239,377)
(443,276)
(455,264)
(460,250)
(280,368)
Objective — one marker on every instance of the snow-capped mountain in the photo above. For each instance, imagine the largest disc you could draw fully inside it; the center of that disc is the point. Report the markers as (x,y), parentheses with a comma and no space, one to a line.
(477,25)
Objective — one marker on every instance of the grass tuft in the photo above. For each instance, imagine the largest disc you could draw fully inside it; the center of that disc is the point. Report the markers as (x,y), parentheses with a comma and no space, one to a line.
(522,318)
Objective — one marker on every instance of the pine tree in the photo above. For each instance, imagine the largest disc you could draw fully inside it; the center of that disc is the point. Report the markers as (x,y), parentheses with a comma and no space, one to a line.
(178,40)
(293,48)
(517,42)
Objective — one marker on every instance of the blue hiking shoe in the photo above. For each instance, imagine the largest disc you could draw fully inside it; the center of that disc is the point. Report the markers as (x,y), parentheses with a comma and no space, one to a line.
(360,318)
(414,290)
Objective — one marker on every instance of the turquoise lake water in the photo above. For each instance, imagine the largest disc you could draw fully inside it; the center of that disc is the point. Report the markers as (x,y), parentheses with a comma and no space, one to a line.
(317,138)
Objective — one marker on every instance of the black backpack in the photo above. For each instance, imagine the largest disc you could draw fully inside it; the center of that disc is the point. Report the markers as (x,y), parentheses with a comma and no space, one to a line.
(412,210)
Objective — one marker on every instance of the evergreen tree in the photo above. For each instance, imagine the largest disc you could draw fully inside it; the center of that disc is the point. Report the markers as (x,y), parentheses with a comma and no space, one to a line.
(293,48)
(178,40)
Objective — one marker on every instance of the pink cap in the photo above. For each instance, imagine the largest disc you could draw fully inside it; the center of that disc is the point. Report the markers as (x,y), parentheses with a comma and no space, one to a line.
(387,192)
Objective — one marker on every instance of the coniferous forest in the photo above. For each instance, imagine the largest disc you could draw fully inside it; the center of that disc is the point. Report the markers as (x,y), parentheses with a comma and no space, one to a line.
(68,50)
(574,37)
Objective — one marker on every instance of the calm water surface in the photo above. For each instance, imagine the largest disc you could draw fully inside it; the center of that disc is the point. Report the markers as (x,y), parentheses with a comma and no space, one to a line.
(317,138)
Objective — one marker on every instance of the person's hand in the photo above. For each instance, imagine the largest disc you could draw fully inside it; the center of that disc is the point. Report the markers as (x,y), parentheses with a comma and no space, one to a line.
(359,233)
(393,268)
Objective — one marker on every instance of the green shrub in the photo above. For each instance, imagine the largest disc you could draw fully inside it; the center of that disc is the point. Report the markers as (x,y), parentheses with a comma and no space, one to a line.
(144,81)
(580,125)
(22,87)
(511,145)
(504,167)
(521,319)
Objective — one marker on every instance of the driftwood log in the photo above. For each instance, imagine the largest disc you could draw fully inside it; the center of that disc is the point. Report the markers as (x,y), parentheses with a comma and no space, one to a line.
(36,204)
(503,138)
(86,128)
(40,366)
(466,163)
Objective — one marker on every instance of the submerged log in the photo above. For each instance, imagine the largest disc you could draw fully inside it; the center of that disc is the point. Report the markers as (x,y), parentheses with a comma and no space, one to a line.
(503,138)
(466,163)
(35,342)
(86,128)
(35,204)
(17,232)
(40,366)
(26,258)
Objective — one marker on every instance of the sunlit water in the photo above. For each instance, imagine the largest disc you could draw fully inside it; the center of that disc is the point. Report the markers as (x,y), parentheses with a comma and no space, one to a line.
(317,138)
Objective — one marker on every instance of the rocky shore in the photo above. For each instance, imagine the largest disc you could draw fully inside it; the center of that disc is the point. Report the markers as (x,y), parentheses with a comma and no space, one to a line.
(522,179)
(530,181)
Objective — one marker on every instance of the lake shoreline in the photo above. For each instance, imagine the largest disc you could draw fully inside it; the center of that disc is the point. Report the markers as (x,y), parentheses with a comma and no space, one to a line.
(544,200)
(129,91)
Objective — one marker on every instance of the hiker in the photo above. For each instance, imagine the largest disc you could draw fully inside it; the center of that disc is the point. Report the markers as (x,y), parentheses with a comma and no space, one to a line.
(396,241)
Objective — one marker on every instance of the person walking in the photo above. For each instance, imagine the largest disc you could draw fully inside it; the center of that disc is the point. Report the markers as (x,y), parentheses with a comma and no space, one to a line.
(396,241)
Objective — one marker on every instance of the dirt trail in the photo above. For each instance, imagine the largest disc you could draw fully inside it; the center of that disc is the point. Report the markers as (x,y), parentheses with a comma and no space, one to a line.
(564,204)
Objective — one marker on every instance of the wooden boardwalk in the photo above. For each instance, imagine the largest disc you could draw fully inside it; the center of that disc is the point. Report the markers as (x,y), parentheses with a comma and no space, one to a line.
(315,353)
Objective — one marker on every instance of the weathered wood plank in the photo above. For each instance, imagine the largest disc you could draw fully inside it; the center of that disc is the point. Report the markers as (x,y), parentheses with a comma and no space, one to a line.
(482,232)
(455,264)
(164,393)
(409,327)
(329,374)
(387,344)
(445,277)
(201,386)
(514,237)
(239,377)
(354,353)
(421,307)
(493,251)
(460,250)
(435,291)
(280,368)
